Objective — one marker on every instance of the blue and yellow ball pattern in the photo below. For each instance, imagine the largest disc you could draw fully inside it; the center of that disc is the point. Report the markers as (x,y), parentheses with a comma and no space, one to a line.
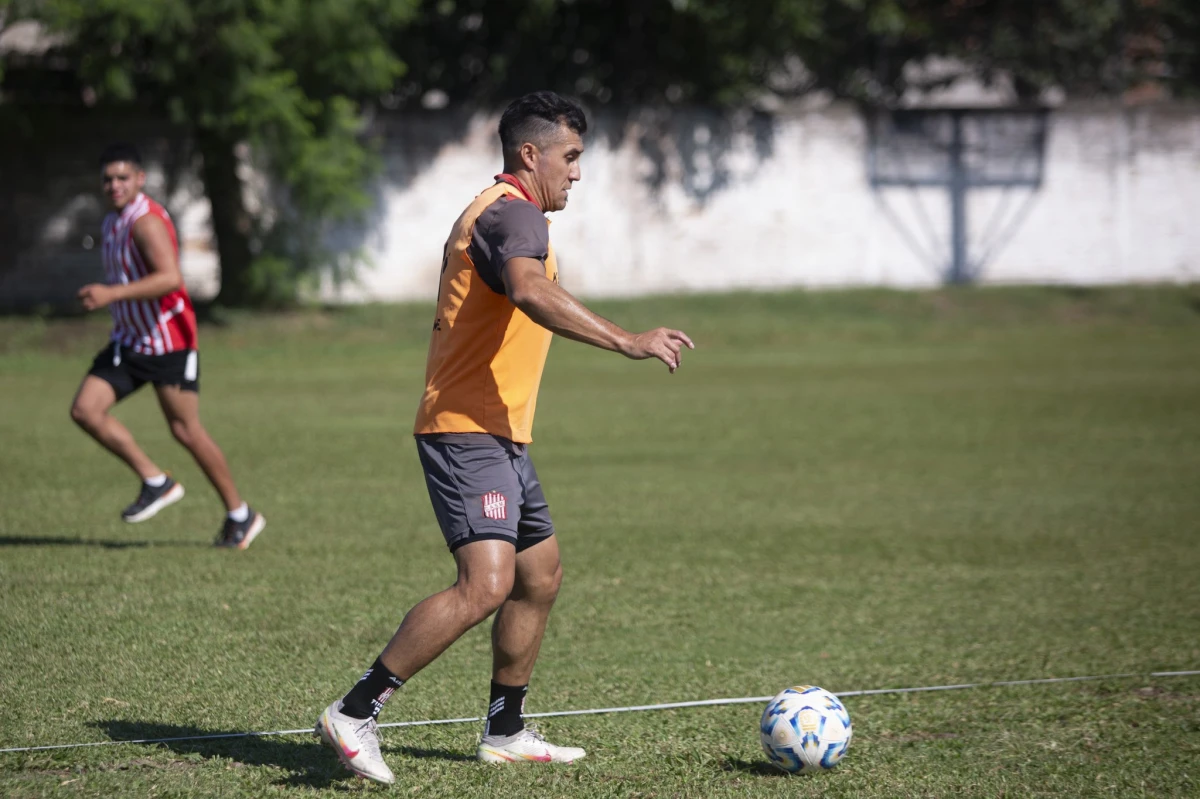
(805,729)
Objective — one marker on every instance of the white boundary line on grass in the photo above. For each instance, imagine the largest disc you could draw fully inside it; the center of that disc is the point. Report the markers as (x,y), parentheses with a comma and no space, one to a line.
(631,709)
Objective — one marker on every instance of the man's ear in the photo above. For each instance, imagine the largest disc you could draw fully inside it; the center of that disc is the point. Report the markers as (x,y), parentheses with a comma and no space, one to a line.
(529,155)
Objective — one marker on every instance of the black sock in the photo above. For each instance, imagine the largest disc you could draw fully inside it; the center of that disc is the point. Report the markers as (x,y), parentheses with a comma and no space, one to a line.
(366,698)
(505,709)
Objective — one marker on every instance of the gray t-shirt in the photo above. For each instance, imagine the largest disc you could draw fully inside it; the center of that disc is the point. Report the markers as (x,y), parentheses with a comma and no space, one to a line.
(508,228)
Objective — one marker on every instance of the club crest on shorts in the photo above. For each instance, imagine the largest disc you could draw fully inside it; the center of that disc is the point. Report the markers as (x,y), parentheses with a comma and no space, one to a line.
(495,506)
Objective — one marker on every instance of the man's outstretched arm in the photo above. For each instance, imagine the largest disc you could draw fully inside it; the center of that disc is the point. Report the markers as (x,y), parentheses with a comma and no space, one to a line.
(555,309)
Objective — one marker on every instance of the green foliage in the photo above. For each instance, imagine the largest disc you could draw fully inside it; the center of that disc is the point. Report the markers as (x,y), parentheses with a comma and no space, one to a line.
(1178,32)
(1088,47)
(285,76)
(1077,44)
(608,51)
(679,51)
(272,281)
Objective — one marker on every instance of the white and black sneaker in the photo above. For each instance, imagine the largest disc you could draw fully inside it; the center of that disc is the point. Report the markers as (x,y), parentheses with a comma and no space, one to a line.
(239,535)
(151,500)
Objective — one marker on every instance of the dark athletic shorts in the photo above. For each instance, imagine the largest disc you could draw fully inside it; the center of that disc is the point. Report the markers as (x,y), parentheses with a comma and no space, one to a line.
(128,371)
(484,487)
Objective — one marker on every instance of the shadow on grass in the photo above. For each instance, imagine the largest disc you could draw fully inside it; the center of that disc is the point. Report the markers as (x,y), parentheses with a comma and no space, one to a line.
(759,768)
(308,762)
(64,541)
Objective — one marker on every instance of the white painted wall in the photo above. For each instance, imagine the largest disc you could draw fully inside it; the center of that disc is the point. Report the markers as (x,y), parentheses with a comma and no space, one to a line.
(1117,205)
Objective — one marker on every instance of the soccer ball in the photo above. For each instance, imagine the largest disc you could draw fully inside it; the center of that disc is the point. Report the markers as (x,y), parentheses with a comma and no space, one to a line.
(805,729)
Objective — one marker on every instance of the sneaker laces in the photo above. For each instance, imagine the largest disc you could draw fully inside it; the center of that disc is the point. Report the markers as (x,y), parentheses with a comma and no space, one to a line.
(370,740)
(533,732)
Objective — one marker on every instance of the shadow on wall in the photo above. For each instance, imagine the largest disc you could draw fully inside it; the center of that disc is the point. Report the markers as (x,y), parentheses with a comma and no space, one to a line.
(698,152)
(968,154)
(696,147)
(409,143)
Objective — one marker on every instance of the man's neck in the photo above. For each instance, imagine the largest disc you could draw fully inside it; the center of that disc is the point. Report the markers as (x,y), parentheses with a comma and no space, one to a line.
(523,180)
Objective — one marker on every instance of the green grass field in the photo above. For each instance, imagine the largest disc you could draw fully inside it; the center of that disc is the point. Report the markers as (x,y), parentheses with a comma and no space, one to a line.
(850,489)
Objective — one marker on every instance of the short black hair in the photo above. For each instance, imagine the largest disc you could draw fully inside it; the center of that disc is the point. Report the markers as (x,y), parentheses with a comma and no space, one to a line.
(120,151)
(536,118)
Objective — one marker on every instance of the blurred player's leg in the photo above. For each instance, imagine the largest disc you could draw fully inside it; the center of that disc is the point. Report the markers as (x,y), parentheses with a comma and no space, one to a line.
(90,410)
(182,410)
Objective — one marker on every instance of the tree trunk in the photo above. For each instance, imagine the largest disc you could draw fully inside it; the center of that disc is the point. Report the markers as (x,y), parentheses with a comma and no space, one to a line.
(230,220)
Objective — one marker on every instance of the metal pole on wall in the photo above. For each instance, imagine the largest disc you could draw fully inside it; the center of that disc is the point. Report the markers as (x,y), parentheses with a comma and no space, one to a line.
(959,271)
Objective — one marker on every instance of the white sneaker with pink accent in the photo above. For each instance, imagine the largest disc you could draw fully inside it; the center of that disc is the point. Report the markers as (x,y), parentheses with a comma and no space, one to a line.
(526,746)
(356,742)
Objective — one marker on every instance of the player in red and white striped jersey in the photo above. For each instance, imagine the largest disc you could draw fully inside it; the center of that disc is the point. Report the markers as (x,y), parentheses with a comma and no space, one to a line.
(154,326)
(153,341)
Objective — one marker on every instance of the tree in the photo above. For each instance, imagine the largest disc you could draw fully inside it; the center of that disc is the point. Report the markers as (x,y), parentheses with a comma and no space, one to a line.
(623,52)
(284,76)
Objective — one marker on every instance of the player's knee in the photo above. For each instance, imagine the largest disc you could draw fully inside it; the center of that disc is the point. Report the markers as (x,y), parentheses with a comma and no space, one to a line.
(85,417)
(544,587)
(486,594)
(183,431)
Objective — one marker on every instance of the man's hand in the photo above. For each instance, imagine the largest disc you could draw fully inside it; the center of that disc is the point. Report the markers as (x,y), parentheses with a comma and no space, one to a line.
(96,295)
(552,307)
(662,343)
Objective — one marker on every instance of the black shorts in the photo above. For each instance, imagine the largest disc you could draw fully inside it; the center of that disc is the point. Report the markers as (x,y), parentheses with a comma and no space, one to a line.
(128,371)
(484,487)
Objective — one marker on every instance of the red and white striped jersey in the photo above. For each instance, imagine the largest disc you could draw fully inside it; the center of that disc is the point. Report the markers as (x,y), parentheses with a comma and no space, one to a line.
(148,327)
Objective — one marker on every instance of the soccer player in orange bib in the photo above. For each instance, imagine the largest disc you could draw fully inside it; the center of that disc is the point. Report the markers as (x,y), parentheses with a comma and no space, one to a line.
(153,341)
(498,305)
